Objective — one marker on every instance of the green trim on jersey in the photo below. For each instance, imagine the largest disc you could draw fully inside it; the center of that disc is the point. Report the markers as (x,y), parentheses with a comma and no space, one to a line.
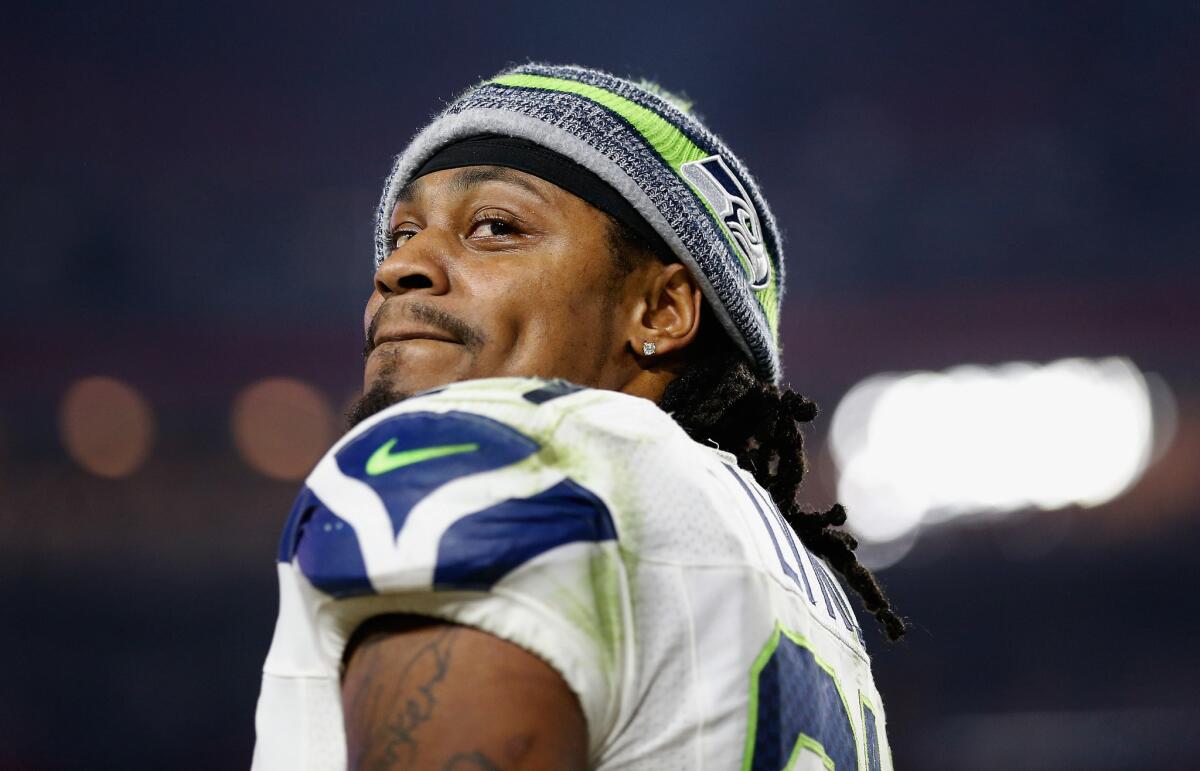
(803,741)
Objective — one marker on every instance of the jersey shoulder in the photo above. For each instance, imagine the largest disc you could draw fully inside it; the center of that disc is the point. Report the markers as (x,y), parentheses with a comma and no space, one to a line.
(459,487)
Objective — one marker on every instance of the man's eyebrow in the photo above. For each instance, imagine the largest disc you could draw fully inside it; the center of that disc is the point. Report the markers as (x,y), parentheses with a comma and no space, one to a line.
(468,178)
(476,175)
(407,193)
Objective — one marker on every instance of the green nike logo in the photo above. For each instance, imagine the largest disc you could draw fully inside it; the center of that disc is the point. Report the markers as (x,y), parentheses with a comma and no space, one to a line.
(383,460)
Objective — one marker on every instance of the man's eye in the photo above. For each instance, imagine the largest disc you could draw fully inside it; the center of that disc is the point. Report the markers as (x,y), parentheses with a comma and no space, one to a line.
(493,228)
(397,236)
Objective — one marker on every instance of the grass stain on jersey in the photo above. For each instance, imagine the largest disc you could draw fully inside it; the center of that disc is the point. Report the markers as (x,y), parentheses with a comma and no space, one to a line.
(595,608)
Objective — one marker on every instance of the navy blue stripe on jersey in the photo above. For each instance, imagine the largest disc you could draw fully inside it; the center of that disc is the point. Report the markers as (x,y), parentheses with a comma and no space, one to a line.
(798,698)
(790,537)
(404,485)
(300,511)
(833,596)
(326,547)
(874,762)
(787,569)
(480,549)
(551,390)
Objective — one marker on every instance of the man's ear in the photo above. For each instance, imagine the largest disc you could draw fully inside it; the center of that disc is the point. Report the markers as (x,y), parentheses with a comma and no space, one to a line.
(670,312)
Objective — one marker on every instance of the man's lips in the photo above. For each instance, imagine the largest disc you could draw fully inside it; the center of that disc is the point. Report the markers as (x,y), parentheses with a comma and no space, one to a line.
(401,335)
(416,320)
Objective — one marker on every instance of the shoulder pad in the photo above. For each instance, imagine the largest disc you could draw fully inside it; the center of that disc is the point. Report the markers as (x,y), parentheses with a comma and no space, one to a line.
(453,489)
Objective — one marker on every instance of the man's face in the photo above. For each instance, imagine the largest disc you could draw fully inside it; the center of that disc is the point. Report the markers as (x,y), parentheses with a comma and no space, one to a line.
(493,272)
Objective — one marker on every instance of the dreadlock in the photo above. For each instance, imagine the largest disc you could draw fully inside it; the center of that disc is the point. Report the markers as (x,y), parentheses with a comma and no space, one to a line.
(718,398)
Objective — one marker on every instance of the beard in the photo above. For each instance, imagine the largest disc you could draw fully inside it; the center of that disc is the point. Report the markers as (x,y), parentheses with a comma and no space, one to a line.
(377,398)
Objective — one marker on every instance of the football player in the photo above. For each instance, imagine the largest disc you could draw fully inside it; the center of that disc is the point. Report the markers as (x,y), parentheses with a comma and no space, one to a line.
(562,532)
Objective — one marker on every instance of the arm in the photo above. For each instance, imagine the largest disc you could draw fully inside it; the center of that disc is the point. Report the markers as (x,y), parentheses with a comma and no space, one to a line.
(422,693)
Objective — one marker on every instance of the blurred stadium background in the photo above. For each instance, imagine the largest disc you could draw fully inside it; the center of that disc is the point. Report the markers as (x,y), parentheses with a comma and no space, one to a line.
(1001,196)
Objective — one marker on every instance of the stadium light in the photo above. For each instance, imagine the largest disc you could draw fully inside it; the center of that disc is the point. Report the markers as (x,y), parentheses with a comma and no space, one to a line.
(106,426)
(281,426)
(926,446)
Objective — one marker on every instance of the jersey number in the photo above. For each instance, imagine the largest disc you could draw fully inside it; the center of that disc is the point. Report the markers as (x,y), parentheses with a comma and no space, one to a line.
(796,705)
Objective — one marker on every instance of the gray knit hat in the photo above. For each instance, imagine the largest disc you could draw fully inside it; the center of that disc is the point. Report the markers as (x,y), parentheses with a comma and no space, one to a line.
(691,189)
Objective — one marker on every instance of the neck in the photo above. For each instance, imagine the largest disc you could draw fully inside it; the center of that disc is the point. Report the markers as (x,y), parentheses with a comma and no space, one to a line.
(649,383)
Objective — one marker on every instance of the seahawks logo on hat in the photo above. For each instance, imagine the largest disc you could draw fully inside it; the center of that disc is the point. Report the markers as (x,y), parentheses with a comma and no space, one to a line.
(716,183)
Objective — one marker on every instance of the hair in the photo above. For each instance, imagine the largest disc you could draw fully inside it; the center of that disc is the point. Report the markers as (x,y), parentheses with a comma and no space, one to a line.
(627,249)
(719,399)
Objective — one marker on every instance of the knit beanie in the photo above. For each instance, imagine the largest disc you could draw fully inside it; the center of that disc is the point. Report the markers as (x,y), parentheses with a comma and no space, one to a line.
(680,177)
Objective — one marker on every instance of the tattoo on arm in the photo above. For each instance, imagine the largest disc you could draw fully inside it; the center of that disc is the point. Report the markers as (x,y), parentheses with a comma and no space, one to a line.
(470,761)
(397,707)
(405,708)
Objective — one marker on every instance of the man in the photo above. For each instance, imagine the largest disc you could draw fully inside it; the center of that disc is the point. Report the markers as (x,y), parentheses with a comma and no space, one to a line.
(517,559)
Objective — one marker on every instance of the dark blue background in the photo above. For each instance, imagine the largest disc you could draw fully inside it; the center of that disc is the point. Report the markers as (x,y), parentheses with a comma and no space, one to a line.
(187,198)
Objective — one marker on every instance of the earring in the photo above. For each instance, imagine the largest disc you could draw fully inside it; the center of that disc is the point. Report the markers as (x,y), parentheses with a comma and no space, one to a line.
(648,348)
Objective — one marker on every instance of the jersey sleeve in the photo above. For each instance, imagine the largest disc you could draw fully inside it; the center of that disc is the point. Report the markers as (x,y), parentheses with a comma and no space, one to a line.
(461,509)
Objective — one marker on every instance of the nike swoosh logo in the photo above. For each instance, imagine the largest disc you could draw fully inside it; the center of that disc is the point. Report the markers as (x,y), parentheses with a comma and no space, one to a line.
(384,460)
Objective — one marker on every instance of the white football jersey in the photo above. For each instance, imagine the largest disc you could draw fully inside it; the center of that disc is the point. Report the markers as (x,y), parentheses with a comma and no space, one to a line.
(585,526)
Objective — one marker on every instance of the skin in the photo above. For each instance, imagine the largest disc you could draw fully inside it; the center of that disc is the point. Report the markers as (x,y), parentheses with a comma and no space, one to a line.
(499,273)
(494,272)
(424,694)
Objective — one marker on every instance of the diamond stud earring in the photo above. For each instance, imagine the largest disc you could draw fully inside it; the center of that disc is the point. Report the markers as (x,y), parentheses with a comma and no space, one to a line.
(648,348)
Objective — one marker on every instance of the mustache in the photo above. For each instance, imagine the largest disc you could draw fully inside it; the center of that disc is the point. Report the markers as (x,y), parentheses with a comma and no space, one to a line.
(427,314)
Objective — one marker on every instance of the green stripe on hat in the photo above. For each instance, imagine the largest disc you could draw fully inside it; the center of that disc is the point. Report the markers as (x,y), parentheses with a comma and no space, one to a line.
(671,145)
(667,140)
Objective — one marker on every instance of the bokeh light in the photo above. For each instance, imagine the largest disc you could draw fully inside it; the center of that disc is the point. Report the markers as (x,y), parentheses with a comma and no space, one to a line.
(281,427)
(106,426)
(925,446)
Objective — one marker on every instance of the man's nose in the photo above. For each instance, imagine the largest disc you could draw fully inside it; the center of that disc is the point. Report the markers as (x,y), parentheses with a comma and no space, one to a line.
(416,264)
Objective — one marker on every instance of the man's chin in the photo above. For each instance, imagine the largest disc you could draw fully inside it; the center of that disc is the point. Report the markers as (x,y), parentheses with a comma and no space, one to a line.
(377,398)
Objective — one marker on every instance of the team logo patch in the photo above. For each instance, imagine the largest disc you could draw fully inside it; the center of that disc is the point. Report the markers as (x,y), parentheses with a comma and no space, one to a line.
(716,183)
